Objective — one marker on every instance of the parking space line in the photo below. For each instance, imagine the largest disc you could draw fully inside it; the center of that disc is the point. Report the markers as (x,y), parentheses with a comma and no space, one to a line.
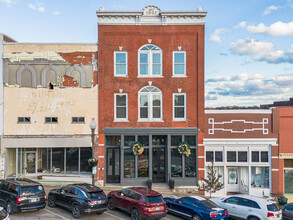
(114,216)
(56,214)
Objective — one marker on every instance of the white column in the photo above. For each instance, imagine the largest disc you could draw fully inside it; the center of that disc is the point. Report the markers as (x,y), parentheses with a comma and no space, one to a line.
(2,158)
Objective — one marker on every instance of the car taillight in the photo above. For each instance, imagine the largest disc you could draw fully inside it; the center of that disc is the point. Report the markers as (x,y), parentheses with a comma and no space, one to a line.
(270,214)
(226,212)
(213,214)
(45,197)
(18,200)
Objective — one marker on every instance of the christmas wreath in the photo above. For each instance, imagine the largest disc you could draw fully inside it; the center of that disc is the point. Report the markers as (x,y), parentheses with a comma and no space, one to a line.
(137,148)
(184,148)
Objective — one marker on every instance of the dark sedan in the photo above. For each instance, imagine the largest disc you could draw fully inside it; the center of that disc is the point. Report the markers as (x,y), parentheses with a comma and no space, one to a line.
(79,199)
(195,208)
(287,211)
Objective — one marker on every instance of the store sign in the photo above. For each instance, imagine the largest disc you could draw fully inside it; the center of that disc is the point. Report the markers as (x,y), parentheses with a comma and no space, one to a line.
(286,156)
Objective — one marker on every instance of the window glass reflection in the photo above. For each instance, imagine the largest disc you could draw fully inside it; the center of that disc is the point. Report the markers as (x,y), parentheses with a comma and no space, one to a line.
(143,163)
(85,154)
(128,163)
(176,163)
(57,160)
(190,164)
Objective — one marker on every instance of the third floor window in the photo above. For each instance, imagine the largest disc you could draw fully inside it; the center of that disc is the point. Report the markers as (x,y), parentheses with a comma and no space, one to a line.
(150,61)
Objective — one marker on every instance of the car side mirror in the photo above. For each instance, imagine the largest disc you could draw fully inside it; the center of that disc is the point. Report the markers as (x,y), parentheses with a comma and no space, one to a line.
(62,191)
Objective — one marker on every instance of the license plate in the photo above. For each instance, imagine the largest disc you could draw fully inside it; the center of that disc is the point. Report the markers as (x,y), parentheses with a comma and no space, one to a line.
(34,200)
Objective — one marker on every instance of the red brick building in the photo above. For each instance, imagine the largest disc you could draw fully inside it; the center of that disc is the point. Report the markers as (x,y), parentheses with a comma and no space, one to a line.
(151,91)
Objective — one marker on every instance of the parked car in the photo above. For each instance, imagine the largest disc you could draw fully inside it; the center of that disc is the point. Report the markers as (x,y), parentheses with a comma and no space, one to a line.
(3,214)
(195,208)
(287,211)
(79,198)
(250,207)
(140,202)
(20,194)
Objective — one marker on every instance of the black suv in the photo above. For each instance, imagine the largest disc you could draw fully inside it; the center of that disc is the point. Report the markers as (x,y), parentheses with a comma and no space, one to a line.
(19,194)
(80,199)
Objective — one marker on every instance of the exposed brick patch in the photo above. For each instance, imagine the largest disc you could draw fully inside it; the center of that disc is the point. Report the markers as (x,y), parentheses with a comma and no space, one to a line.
(69,81)
(8,39)
(78,57)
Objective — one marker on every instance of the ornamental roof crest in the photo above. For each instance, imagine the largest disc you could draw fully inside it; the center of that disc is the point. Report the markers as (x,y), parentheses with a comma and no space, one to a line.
(151,10)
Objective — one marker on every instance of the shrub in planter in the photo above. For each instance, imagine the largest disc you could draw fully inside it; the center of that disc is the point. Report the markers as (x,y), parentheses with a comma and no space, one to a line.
(282,200)
(92,162)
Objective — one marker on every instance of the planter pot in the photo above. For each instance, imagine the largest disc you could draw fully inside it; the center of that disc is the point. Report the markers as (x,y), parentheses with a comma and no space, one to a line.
(171,183)
(93,163)
(149,184)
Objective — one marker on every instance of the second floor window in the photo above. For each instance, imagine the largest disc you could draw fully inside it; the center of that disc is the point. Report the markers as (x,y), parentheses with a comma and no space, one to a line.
(150,104)
(120,107)
(179,103)
(150,61)
(51,119)
(23,120)
(120,60)
(179,63)
(77,120)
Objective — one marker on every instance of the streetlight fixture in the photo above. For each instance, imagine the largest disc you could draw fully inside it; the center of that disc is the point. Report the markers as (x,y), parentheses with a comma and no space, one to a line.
(93,126)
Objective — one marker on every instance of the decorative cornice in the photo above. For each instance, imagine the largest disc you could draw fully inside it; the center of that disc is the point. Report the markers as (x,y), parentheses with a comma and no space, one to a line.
(151,15)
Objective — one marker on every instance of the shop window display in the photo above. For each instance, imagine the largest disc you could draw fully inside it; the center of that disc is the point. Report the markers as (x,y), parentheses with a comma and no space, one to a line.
(260,177)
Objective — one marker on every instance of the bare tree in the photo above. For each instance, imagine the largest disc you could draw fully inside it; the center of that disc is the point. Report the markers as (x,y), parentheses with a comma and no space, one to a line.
(212,182)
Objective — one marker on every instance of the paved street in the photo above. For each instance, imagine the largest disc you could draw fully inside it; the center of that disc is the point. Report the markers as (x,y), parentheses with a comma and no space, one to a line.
(59,213)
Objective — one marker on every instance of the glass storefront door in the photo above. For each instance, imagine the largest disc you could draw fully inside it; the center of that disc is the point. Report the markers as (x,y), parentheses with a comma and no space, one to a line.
(159,165)
(113,165)
(30,162)
(233,179)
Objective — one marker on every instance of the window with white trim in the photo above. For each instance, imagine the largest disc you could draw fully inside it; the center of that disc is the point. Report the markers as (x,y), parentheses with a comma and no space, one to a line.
(150,61)
(179,63)
(150,104)
(179,106)
(121,107)
(120,63)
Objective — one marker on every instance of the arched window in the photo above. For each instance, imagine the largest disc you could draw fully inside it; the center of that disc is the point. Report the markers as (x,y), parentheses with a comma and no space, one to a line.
(150,61)
(150,104)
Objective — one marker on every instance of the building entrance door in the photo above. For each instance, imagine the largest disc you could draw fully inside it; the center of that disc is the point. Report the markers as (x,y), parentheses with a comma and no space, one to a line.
(159,166)
(30,162)
(113,165)
(233,179)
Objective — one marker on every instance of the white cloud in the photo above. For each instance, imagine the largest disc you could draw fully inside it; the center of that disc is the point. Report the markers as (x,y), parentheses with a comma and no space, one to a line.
(8,2)
(262,51)
(248,89)
(56,13)
(215,36)
(242,24)
(269,9)
(38,7)
(277,29)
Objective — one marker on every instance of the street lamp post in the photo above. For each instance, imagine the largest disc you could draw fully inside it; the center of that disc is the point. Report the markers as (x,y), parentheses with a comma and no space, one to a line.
(93,127)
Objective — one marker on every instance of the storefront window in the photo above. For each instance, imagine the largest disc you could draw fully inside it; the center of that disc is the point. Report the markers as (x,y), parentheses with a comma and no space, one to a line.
(190,164)
(218,156)
(260,177)
(176,140)
(72,160)
(46,160)
(128,163)
(242,156)
(85,154)
(113,141)
(159,140)
(209,156)
(144,140)
(143,163)
(128,140)
(11,164)
(176,163)
(218,170)
(264,156)
(255,156)
(231,156)
(57,160)
(288,176)
(190,139)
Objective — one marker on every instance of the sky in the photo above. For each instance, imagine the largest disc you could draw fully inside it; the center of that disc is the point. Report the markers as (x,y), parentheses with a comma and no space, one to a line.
(248,43)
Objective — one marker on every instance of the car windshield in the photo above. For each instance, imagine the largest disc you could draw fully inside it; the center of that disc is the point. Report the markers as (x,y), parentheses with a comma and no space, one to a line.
(273,207)
(31,190)
(154,199)
(208,204)
(3,214)
(96,195)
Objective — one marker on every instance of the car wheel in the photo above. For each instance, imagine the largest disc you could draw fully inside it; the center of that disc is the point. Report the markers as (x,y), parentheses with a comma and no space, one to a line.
(9,208)
(111,204)
(196,217)
(135,214)
(76,211)
(52,201)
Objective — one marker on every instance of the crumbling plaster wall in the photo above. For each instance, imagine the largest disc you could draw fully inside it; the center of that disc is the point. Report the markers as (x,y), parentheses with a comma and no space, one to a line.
(39,103)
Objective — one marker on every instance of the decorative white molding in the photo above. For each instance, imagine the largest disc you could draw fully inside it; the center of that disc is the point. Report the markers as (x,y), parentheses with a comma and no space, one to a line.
(151,15)
(44,72)
(29,68)
(179,90)
(81,72)
(276,170)
(239,141)
(150,83)
(240,111)
(212,122)
(120,48)
(179,47)
(150,41)
(120,90)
